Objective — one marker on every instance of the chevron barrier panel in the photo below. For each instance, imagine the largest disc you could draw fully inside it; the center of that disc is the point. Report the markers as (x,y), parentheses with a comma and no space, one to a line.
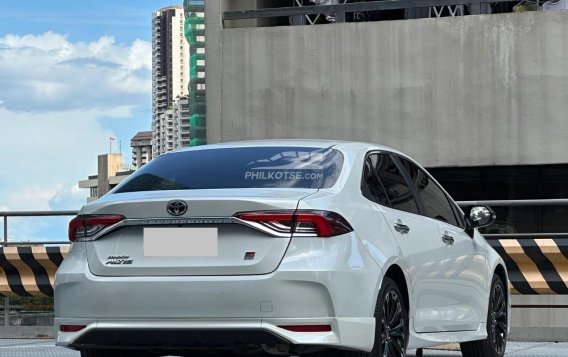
(29,271)
(536,267)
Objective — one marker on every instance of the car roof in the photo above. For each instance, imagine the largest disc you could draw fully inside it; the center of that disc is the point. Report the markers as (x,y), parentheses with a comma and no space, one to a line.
(317,143)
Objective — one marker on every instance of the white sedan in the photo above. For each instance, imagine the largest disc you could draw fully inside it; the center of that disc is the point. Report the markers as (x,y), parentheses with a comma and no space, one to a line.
(284,247)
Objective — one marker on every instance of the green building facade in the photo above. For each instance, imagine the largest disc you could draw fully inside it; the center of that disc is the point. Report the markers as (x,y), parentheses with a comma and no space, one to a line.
(195,36)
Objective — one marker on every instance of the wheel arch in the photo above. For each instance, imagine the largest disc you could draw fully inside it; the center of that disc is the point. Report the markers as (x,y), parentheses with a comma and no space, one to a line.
(501,272)
(396,273)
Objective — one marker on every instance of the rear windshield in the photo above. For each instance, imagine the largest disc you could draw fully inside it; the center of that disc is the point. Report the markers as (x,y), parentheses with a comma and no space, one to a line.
(247,167)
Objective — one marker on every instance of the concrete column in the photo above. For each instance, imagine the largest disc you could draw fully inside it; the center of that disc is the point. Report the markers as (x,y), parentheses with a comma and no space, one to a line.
(214,67)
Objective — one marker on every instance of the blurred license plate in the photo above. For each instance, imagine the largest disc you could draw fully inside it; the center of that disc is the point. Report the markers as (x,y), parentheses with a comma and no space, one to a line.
(180,242)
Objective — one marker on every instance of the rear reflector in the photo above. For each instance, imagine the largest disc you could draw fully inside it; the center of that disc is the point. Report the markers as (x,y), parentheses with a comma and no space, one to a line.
(82,228)
(71,328)
(307,328)
(302,222)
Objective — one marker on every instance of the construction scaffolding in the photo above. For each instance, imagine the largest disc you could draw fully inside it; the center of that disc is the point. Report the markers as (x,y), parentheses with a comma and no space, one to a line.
(195,36)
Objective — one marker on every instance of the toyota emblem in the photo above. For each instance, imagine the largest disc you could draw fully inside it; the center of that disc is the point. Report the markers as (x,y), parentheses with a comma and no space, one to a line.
(177,207)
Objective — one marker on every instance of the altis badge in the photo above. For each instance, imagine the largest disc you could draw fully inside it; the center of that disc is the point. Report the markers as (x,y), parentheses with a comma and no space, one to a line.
(119,260)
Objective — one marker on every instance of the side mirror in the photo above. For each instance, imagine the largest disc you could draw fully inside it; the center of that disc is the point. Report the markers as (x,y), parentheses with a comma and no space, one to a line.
(481,216)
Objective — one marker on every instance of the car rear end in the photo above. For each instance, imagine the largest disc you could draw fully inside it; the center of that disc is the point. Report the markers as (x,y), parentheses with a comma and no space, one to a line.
(206,249)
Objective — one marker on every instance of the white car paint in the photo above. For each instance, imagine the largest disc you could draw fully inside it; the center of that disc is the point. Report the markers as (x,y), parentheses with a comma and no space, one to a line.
(295,280)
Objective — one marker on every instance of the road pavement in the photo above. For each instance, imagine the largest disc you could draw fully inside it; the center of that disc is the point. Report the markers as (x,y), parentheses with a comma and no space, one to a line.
(46,348)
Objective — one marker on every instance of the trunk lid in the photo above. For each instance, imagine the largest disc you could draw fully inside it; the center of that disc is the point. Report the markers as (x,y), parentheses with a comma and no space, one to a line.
(122,253)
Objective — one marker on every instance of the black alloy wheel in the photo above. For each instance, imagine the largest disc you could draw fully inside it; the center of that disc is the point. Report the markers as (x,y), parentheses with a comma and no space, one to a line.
(393,325)
(497,319)
(498,330)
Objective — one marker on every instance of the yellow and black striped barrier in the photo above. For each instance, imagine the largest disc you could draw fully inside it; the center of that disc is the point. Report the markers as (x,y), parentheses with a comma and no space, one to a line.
(536,266)
(29,271)
(537,262)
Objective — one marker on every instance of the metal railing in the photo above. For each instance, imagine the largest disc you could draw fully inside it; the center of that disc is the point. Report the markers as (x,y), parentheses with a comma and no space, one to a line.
(491,203)
(342,9)
(7,314)
(536,262)
(548,247)
(516,203)
(6,214)
(519,203)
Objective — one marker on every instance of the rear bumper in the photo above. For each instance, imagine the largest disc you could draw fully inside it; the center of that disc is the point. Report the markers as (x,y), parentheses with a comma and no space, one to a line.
(319,281)
(222,333)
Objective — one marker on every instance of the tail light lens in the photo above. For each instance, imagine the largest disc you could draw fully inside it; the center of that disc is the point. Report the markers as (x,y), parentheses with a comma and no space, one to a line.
(71,328)
(84,228)
(300,223)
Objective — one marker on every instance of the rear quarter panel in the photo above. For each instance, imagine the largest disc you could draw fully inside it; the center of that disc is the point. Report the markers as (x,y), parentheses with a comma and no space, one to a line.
(365,217)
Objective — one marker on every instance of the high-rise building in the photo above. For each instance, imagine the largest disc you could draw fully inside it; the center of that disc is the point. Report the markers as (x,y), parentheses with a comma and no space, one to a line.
(181,122)
(170,72)
(165,131)
(141,145)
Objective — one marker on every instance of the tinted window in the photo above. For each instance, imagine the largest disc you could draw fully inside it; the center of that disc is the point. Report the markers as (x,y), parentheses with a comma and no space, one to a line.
(458,214)
(372,186)
(249,167)
(398,192)
(434,201)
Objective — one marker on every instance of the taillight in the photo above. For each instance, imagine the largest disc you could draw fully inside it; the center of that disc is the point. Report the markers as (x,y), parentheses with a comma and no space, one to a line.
(84,228)
(71,328)
(302,223)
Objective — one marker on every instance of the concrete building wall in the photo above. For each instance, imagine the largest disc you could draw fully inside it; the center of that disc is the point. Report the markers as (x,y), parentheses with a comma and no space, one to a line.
(108,166)
(464,91)
(110,172)
(539,318)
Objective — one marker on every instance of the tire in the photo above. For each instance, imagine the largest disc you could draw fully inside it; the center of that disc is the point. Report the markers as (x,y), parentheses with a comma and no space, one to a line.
(390,304)
(496,342)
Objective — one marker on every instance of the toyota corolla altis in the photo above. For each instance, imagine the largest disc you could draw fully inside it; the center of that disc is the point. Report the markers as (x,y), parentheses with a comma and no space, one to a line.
(282,247)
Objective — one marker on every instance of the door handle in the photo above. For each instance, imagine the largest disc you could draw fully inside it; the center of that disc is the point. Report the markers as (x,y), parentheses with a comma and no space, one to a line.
(401,228)
(449,240)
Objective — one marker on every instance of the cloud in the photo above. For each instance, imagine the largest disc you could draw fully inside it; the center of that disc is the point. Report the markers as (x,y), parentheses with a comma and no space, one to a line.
(44,152)
(54,96)
(48,72)
(68,197)
(44,155)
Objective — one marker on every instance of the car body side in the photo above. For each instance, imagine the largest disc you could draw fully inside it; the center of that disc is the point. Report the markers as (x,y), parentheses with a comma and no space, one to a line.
(382,245)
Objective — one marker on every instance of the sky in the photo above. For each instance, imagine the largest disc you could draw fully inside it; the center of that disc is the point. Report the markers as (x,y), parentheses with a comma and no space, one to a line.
(72,74)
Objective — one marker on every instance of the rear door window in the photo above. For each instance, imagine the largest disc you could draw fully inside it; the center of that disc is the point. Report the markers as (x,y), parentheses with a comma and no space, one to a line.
(241,167)
(435,203)
(398,192)
(372,187)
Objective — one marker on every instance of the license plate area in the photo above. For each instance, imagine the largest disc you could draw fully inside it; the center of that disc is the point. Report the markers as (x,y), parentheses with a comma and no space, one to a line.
(181,242)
